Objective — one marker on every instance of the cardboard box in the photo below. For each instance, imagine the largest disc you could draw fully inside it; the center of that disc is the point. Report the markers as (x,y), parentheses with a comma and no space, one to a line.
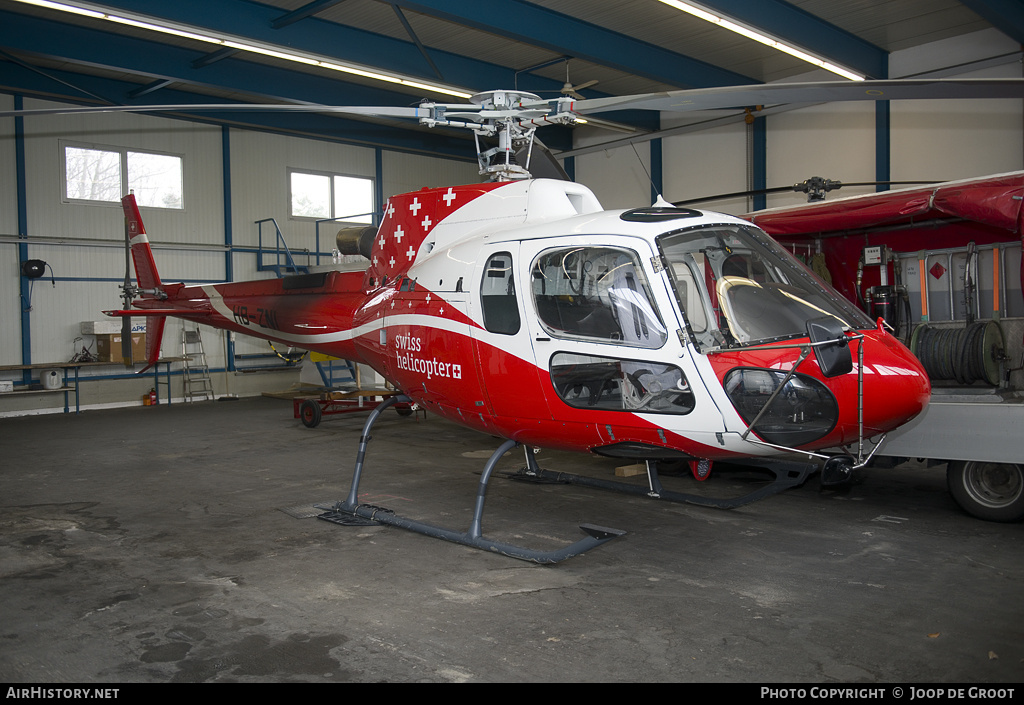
(108,347)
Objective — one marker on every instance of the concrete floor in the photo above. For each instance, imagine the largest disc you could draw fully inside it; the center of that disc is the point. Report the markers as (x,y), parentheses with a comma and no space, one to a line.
(162,544)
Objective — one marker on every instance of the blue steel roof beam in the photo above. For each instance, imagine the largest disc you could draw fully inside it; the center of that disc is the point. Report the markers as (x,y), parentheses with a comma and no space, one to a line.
(539,26)
(363,47)
(214,56)
(323,127)
(51,76)
(303,12)
(511,18)
(1005,15)
(78,44)
(336,41)
(802,29)
(150,88)
(416,40)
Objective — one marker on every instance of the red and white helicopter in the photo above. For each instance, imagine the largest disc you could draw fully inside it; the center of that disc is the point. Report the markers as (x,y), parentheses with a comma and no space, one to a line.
(520,308)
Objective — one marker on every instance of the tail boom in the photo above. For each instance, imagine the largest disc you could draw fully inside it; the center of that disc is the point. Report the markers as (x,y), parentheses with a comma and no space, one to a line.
(315,312)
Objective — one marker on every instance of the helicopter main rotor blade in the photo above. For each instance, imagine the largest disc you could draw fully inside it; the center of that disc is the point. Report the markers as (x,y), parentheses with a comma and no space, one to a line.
(677,101)
(372,111)
(817,92)
(793,189)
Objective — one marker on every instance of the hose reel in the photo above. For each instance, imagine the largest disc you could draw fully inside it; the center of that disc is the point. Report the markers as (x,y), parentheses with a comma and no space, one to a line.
(969,354)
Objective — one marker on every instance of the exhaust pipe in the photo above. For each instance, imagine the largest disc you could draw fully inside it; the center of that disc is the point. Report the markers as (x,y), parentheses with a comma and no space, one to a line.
(356,240)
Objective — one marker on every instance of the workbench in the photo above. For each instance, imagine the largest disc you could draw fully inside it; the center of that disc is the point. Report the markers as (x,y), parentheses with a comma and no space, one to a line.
(71,384)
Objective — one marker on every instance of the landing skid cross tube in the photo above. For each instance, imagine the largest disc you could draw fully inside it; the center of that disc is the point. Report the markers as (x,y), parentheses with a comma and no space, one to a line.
(351,512)
(785,478)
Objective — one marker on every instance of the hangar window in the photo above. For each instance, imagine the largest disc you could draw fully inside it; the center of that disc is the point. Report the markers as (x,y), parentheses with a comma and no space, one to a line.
(100,174)
(322,195)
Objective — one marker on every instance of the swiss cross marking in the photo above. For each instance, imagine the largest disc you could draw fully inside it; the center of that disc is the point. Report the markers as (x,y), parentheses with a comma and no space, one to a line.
(449,197)
(391,209)
(428,298)
(426,223)
(381,241)
(411,253)
(392,262)
(415,206)
(399,234)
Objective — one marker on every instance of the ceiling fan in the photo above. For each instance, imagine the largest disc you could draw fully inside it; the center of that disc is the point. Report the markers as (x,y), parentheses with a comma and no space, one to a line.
(571,90)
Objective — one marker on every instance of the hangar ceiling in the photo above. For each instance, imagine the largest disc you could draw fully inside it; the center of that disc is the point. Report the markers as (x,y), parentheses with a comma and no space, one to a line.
(616,47)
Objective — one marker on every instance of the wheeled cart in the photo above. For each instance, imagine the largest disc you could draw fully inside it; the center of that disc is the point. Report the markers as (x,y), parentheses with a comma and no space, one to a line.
(311,410)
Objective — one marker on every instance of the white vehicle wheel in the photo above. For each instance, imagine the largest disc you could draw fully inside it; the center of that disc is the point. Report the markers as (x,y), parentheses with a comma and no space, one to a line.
(990,491)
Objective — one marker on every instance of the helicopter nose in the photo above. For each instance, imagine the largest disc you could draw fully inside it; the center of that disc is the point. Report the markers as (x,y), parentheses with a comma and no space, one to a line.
(896,386)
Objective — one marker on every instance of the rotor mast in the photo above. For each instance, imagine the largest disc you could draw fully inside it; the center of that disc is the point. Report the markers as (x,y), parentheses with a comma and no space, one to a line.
(511,117)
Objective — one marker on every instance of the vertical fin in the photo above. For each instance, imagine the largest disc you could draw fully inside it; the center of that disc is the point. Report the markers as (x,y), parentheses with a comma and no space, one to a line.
(154,335)
(145,266)
(147,279)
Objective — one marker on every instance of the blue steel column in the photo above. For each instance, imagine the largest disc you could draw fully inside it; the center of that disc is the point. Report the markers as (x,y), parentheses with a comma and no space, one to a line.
(760,161)
(19,165)
(657,170)
(883,139)
(229,237)
(378,185)
(883,145)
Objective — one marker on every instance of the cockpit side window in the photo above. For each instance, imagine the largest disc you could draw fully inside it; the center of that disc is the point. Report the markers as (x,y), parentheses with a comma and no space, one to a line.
(617,384)
(598,294)
(498,296)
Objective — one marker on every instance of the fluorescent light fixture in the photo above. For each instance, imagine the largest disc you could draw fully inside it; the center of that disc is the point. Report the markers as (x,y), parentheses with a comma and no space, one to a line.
(750,33)
(158,28)
(65,8)
(181,30)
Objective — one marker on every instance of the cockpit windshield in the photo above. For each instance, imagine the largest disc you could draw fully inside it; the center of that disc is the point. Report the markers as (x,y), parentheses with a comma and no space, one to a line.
(737,286)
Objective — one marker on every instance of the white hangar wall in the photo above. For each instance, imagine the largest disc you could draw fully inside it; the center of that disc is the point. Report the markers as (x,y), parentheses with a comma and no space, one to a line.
(710,162)
(937,140)
(618,177)
(929,140)
(82,242)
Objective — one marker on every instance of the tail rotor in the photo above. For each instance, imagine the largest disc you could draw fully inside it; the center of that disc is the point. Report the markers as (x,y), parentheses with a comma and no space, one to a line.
(128,293)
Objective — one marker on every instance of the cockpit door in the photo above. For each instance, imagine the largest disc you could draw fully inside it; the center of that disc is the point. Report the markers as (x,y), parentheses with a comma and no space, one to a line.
(605,338)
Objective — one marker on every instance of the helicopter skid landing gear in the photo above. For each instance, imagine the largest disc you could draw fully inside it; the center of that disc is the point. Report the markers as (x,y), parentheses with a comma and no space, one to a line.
(787,475)
(837,471)
(351,512)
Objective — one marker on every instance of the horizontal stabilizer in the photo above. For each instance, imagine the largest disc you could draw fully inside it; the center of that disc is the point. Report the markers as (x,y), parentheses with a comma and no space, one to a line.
(164,312)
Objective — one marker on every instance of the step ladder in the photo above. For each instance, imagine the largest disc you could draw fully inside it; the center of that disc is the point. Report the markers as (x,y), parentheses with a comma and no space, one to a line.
(196,373)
